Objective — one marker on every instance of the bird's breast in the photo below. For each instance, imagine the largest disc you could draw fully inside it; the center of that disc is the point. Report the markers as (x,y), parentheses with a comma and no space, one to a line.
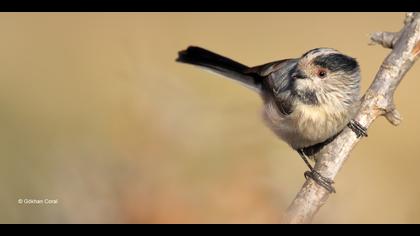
(307,124)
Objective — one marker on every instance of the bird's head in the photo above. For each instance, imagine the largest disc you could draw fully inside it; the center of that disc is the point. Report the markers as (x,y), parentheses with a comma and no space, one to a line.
(325,74)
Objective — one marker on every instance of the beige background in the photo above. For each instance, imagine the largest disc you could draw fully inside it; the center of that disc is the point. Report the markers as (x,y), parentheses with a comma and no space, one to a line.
(96,113)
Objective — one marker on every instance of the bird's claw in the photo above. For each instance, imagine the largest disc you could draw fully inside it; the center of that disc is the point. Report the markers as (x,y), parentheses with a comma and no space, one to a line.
(321,180)
(357,128)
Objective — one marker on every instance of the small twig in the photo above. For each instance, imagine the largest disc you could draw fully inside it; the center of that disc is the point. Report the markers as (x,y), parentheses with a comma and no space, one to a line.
(386,39)
(377,101)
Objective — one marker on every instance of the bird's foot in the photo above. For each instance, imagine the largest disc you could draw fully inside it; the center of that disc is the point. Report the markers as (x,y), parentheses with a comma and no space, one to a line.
(358,129)
(321,180)
(315,175)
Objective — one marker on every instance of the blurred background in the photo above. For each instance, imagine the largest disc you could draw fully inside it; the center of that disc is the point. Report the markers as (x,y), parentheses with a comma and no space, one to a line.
(96,113)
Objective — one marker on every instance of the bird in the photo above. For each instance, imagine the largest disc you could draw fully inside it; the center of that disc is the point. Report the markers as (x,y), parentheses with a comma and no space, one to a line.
(307,100)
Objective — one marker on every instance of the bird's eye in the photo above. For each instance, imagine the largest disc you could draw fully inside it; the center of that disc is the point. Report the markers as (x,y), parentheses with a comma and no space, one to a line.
(322,73)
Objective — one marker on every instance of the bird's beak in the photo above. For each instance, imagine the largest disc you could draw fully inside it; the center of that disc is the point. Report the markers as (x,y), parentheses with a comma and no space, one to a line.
(298,74)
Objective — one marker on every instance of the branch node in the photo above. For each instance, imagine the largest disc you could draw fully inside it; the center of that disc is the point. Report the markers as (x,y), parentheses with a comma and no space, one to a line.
(393,116)
(386,39)
(409,17)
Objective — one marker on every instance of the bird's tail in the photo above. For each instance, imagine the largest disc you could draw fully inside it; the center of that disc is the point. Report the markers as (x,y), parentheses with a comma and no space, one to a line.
(220,65)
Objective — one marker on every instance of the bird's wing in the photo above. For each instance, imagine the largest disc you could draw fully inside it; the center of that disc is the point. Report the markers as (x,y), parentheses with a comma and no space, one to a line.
(276,82)
(268,68)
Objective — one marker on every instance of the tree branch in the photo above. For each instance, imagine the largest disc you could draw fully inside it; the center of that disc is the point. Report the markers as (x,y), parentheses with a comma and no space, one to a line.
(377,101)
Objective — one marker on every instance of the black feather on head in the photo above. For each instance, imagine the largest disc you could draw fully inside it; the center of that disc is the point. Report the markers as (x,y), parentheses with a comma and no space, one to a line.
(337,62)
